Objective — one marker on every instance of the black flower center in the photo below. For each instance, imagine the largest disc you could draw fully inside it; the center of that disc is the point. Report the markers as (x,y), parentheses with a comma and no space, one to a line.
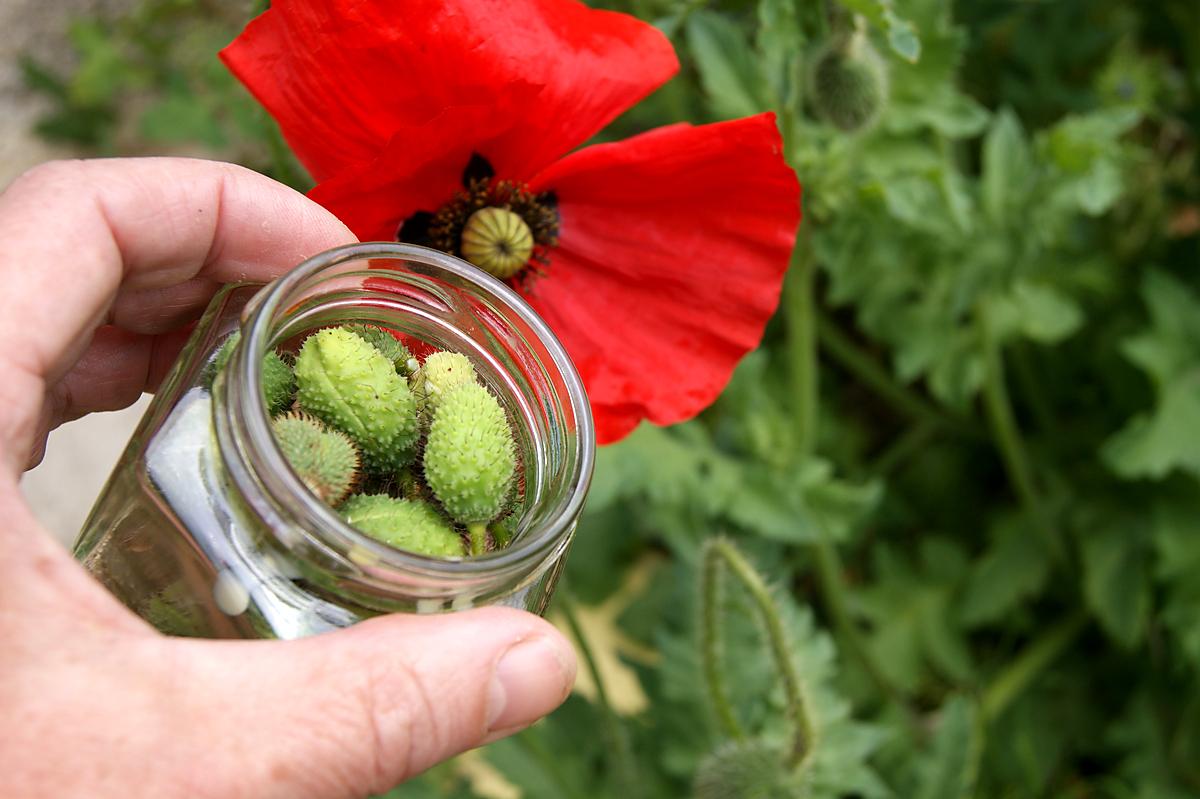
(498,225)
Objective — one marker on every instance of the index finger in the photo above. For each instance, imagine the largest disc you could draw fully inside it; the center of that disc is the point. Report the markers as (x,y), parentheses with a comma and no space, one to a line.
(76,232)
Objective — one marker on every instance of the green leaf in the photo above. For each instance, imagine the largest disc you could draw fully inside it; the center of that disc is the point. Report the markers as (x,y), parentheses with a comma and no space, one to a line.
(1036,311)
(779,42)
(913,612)
(728,68)
(1116,579)
(1177,546)
(901,34)
(952,766)
(556,758)
(1007,167)
(1014,568)
(1167,438)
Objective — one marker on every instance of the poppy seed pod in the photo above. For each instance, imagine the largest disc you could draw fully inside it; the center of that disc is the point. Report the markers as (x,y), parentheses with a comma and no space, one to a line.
(848,82)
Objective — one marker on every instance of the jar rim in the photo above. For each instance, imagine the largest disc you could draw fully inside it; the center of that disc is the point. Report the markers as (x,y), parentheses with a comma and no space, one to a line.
(257,319)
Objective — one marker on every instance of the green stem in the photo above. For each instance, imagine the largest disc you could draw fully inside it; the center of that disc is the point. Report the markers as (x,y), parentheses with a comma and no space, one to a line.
(1030,388)
(719,549)
(1021,672)
(1007,436)
(619,746)
(870,373)
(479,534)
(802,342)
(905,446)
(833,594)
(710,646)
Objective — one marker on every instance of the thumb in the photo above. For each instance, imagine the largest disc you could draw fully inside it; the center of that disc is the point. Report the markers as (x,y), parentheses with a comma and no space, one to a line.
(357,711)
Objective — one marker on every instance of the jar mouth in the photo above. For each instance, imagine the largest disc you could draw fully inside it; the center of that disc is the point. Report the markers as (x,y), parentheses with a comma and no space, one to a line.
(566,435)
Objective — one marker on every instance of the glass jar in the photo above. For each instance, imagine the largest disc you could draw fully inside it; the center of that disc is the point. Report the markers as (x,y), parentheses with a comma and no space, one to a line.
(203,528)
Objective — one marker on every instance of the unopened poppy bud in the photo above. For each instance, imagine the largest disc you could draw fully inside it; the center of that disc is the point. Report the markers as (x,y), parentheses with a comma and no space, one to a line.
(325,460)
(849,82)
(411,525)
(498,241)
(348,384)
(743,769)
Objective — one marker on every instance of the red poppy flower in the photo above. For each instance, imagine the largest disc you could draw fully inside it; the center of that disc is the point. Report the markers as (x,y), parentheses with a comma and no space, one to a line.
(657,260)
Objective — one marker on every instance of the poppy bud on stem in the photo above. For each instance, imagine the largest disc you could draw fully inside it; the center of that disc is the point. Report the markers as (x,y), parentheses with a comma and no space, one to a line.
(718,551)
(848,80)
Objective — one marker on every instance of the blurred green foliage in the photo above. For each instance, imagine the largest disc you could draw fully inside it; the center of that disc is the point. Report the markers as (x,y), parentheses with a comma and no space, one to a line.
(965,456)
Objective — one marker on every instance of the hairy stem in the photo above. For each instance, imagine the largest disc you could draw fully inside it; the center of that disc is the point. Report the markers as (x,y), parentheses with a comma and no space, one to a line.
(710,645)
(1018,675)
(719,549)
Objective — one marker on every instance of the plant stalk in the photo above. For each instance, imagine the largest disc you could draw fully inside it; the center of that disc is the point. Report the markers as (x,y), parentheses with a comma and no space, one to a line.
(478,533)
(1007,436)
(1021,672)
(719,549)
(802,342)
(871,374)
(710,645)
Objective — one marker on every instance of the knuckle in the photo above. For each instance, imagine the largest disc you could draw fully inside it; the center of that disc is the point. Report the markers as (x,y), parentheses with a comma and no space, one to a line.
(49,173)
(398,714)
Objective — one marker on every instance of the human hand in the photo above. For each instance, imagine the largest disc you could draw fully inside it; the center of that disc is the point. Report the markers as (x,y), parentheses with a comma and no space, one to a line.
(103,265)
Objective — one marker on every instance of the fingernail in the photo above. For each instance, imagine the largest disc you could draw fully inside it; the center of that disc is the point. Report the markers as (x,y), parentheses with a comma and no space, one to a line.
(530,680)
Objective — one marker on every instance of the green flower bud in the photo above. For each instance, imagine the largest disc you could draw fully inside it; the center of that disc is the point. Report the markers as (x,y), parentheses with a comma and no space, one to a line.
(849,82)
(347,383)
(441,372)
(325,460)
(470,455)
(744,770)
(412,525)
(278,380)
(388,347)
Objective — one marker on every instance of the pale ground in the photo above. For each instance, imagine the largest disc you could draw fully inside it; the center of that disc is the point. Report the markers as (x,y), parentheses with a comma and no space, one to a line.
(81,454)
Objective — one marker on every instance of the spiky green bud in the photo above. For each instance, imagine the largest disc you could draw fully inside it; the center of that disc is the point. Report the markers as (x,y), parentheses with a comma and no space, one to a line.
(744,770)
(388,347)
(849,82)
(325,460)
(347,383)
(411,525)
(470,455)
(441,372)
(278,380)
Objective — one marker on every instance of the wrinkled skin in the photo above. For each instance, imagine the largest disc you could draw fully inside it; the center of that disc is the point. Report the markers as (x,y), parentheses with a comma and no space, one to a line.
(103,265)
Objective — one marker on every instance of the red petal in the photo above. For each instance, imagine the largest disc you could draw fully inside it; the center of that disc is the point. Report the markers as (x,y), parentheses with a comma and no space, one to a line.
(672,252)
(342,76)
(419,169)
